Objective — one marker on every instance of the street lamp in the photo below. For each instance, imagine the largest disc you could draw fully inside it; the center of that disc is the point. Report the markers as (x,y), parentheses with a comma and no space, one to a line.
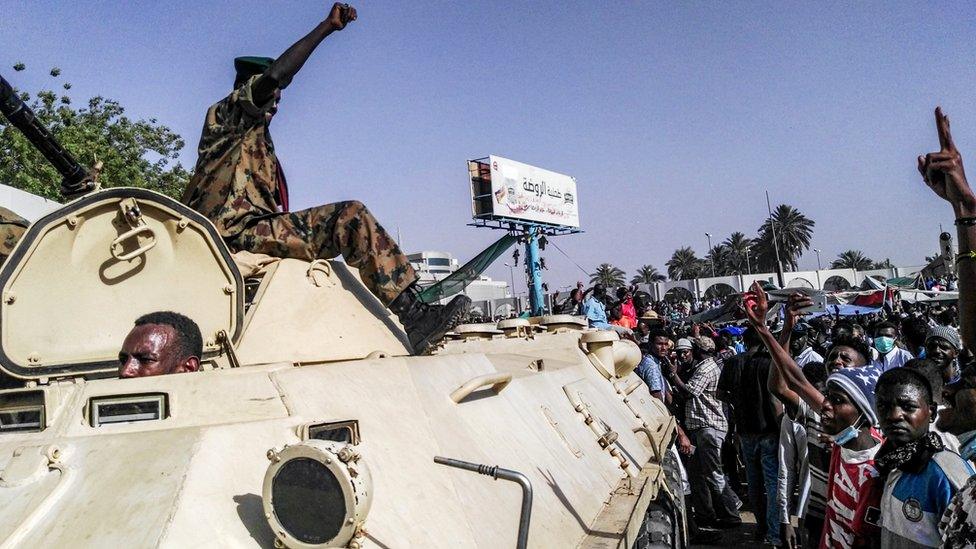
(511,272)
(819,266)
(748,268)
(711,256)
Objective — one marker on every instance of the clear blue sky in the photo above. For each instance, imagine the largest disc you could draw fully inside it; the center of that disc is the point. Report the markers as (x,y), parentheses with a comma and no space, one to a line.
(672,118)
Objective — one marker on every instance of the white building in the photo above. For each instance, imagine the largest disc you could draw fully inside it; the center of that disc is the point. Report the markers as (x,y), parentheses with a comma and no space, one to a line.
(433,267)
(29,206)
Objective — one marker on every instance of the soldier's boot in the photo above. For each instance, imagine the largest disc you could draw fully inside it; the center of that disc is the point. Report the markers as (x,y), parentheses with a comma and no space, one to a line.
(426,324)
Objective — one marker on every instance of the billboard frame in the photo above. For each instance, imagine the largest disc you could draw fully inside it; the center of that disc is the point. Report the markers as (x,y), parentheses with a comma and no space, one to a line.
(527,231)
(490,218)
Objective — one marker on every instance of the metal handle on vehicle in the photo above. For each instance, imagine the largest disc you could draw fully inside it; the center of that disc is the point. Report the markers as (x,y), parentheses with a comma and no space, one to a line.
(133,233)
(321,266)
(497,382)
(496,472)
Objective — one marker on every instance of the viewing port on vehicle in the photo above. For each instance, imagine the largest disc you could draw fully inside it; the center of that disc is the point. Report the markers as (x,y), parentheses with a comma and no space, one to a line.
(114,409)
(22,411)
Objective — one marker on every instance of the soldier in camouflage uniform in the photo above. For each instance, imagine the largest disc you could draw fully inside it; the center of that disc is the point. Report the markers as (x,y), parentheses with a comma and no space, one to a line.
(240,186)
(12,227)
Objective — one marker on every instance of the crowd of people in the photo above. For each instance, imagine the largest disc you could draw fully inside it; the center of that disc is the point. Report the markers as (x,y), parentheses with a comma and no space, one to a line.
(839,431)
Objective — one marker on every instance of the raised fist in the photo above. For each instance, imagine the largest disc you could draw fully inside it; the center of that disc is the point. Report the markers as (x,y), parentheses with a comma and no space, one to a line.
(341,15)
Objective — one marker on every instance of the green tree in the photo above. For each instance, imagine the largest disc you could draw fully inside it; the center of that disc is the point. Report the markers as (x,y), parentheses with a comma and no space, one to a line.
(647,274)
(608,275)
(720,258)
(739,248)
(684,264)
(793,233)
(852,259)
(134,153)
(885,264)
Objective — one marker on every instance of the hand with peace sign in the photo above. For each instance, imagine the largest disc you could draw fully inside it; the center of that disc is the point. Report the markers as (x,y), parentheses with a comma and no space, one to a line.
(943,171)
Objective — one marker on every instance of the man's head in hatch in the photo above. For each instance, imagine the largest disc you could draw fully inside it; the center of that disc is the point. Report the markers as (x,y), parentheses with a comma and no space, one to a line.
(161,343)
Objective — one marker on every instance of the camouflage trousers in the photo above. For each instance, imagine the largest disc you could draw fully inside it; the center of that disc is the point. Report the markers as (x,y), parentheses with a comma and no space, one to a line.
(344,228)
(12,227)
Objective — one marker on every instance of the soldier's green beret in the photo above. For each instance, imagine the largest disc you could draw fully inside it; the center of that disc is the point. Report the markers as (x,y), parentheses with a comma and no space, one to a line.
(248,66)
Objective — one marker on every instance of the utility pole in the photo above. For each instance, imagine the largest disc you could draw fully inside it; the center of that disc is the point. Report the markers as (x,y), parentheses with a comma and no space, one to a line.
(711,256)
(772,226)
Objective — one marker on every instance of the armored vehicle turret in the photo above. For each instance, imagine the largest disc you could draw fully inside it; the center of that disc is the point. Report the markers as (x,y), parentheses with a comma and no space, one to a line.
(310,425)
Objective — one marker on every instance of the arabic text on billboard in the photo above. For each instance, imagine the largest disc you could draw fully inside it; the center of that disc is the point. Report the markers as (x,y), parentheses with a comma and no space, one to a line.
(520,191)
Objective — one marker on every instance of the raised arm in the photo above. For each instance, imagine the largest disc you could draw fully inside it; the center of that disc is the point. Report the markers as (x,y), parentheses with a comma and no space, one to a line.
(775,382)
(287,65)
(943,172)
(782,361)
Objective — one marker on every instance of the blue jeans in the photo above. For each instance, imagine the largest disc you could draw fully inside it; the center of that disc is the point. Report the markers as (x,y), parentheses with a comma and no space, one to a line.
(759,453)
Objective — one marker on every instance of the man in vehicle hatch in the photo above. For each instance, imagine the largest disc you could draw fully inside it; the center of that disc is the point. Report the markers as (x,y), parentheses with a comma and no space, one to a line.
(240,186)
(161,343)
(12,227)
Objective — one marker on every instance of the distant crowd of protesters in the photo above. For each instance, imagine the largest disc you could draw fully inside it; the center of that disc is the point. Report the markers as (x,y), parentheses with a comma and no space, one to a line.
(839,431)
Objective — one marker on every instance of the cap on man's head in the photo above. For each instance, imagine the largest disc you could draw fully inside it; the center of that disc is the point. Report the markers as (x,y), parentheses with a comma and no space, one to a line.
(858,384)
(683,343)
(249,66)
(705,344)
(946,333)
(801,328)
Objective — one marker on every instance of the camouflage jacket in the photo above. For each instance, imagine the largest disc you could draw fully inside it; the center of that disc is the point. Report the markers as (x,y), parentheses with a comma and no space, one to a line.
(236,177)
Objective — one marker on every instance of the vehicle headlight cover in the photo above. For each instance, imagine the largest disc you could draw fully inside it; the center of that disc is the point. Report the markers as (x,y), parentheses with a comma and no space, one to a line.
(317,494)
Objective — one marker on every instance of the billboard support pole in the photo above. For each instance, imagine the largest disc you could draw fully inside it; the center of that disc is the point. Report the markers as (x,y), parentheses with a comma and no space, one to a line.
(529,203)
(533,266)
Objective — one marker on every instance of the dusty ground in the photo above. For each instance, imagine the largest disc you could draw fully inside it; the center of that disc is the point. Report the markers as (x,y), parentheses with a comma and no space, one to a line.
(738,537)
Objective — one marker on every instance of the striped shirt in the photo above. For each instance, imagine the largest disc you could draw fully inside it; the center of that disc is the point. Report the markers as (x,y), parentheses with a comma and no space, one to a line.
(813,498)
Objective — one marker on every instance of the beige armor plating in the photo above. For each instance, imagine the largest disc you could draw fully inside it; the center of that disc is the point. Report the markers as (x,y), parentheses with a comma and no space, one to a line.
(293,348)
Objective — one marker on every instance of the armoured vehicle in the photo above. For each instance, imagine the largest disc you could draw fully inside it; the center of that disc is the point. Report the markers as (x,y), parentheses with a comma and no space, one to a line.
(310,424)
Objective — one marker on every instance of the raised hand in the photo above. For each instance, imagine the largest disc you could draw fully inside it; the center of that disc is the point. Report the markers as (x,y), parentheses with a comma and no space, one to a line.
(341,15)
(757,307)
(943,171)
(796,302)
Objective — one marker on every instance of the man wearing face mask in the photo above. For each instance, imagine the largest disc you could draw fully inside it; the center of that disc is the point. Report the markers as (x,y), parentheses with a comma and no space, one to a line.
(890,355)
(240,186)
(846,414)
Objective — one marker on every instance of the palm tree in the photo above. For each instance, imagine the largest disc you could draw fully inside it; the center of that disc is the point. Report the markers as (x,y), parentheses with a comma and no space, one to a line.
(886,264)
(684,264)
(793,233)
(852,259)
(647,274)
(718,257)
(739,251)
(608,275)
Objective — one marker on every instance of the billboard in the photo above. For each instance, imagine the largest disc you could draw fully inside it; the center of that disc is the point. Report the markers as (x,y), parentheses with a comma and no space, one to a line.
(506,189)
